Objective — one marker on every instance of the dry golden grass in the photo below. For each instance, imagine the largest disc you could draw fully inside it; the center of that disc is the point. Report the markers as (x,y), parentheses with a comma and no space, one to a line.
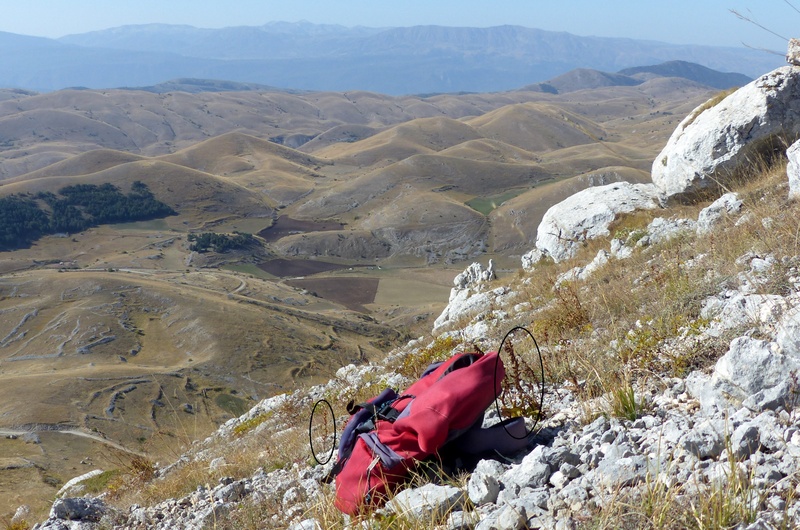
(644,303)
(537,127)
(278,441)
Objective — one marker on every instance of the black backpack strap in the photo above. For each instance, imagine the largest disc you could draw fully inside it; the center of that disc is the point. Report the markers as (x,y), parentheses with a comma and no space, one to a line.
(378,410)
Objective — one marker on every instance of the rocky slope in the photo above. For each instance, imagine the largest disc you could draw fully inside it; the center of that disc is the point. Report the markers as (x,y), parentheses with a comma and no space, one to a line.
(702,432)
(690,431)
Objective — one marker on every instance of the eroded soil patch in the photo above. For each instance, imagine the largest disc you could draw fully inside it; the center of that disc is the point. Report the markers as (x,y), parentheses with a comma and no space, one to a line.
(285,226)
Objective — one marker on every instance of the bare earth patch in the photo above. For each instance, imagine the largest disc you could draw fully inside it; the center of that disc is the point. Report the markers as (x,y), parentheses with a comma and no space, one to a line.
(285,226)
(284,268)
(352,293)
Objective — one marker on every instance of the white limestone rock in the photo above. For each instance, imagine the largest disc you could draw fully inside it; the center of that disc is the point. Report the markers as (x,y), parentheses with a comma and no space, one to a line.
(788,335)
(532,472)
(752,365)
(73,486)
(21,514)
(793,169)
(483,485)
(620,250)
(307,524)
(468,295)
(793,52)
(473,275)
(661,229)
(531,258)
(709,145)
(426,502)
(587,215)
(734,309)
(753,371)
(583,273)
(710,216)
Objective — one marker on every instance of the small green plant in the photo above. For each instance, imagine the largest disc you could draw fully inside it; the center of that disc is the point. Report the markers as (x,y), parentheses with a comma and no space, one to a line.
(250,424)
(99,483)
(644,346)
(630,236)
(624,403)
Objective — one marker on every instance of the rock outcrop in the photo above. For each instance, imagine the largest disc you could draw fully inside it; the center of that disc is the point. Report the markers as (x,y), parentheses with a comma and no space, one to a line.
(587,215)
(728,204)
(793,169)
(793,52)
(462,300)
(711,143)
(688,434)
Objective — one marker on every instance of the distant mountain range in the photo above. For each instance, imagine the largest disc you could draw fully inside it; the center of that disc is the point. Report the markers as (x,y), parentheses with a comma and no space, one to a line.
(305,56)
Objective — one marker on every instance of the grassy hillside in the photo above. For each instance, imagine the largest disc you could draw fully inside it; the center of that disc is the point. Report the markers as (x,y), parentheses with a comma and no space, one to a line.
(200,335)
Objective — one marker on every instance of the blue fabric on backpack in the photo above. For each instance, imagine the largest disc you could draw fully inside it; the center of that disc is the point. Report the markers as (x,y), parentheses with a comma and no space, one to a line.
(350,431)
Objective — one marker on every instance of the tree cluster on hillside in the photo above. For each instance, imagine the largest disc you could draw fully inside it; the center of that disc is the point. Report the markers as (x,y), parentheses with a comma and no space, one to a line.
(21,222)
(219,242)
(23,219)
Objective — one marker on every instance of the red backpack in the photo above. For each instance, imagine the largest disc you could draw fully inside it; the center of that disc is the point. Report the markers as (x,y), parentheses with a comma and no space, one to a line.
(386,437)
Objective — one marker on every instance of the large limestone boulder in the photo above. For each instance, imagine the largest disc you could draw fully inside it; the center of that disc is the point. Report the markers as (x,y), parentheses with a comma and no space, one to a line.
(710,144)
(587,215)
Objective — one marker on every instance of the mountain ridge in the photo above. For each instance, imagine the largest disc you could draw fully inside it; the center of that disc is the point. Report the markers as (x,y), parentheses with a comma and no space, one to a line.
(305,56)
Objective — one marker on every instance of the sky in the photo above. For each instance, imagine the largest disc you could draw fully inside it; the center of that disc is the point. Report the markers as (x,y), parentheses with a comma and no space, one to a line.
(675,21)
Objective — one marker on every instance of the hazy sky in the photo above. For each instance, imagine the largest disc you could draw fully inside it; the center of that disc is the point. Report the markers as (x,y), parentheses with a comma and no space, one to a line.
(676,21)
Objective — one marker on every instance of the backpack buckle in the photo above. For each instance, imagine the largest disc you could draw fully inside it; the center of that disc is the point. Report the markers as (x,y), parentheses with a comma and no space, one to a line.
(386,412)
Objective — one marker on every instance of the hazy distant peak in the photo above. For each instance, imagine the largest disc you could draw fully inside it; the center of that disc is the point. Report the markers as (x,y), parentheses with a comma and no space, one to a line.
(13,41)
(155,27)
(307,28)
